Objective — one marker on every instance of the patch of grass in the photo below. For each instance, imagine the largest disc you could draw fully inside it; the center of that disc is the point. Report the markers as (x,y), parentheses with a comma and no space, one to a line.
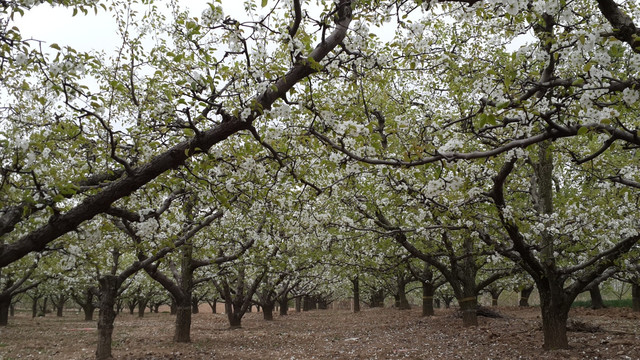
(624,303)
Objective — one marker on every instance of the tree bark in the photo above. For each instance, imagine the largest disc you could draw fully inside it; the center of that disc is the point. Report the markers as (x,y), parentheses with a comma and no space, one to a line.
(298,304)
(235,321)
(635,296)
(132,306)
(173,308)
(322,304)
(555,312)
(107,315)
(60,309)
(267,311)
(427,299)
(403,302)
(308,303)
(495,295)
(284,306)
(447,301)
(469,308)
(43,307)
(377,298)
(356,294)
(524,296)
(142,306)
(5,305)
(195,306)
(34,306)
(182,332)
(596,298)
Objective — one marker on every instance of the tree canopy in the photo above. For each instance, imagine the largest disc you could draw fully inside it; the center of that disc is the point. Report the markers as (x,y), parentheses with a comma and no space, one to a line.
(352,133)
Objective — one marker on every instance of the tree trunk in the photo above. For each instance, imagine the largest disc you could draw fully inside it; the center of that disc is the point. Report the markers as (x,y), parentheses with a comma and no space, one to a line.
(356,294)
(596,298)
(43,307)
(427,299)
(194,306)
(142,305)
(173,308)
(635,296)
(182,332)
(284,306)
(132,308)
(322,304)
(34,307)
(554,328)
(469,308)
(524,296)
(308,303)
(119,305)
(235,321)
(107,315)
(298,304)
(555,312)
(5,305)
(377,298)
(447,301)
(88,312)
(267,311)
(401,297)
(60,309)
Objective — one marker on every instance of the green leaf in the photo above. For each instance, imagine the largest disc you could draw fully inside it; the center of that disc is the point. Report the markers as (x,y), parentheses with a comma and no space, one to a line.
(264,3)
(55,46)
(503,105)
(583,130)
(578,82)
(588,66)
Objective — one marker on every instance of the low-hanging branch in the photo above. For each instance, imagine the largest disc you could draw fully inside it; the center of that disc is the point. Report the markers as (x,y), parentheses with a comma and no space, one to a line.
(176,156)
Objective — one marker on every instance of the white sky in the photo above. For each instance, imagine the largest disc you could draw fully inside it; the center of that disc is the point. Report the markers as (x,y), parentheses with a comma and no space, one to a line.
(98,32)
(92,32)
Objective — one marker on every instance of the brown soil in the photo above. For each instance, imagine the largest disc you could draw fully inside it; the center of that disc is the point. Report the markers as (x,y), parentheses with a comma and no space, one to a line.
(370,334)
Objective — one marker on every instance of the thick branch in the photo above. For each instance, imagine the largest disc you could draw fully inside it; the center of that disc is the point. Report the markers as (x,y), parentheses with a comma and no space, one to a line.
(172,158)
(620,180)
(624,28)
(519,243)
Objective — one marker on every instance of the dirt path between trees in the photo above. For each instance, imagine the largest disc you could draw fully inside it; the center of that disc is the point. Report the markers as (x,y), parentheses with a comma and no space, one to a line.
(327,334)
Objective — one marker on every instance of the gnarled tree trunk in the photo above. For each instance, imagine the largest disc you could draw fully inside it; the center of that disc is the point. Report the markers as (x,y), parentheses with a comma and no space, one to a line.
(107,315)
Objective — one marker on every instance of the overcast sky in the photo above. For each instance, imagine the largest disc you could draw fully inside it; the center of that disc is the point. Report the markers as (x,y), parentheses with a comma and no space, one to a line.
(87,32)
(98,32)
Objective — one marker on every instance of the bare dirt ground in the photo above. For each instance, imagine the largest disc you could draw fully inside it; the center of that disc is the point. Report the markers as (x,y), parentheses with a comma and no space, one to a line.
(328,334)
